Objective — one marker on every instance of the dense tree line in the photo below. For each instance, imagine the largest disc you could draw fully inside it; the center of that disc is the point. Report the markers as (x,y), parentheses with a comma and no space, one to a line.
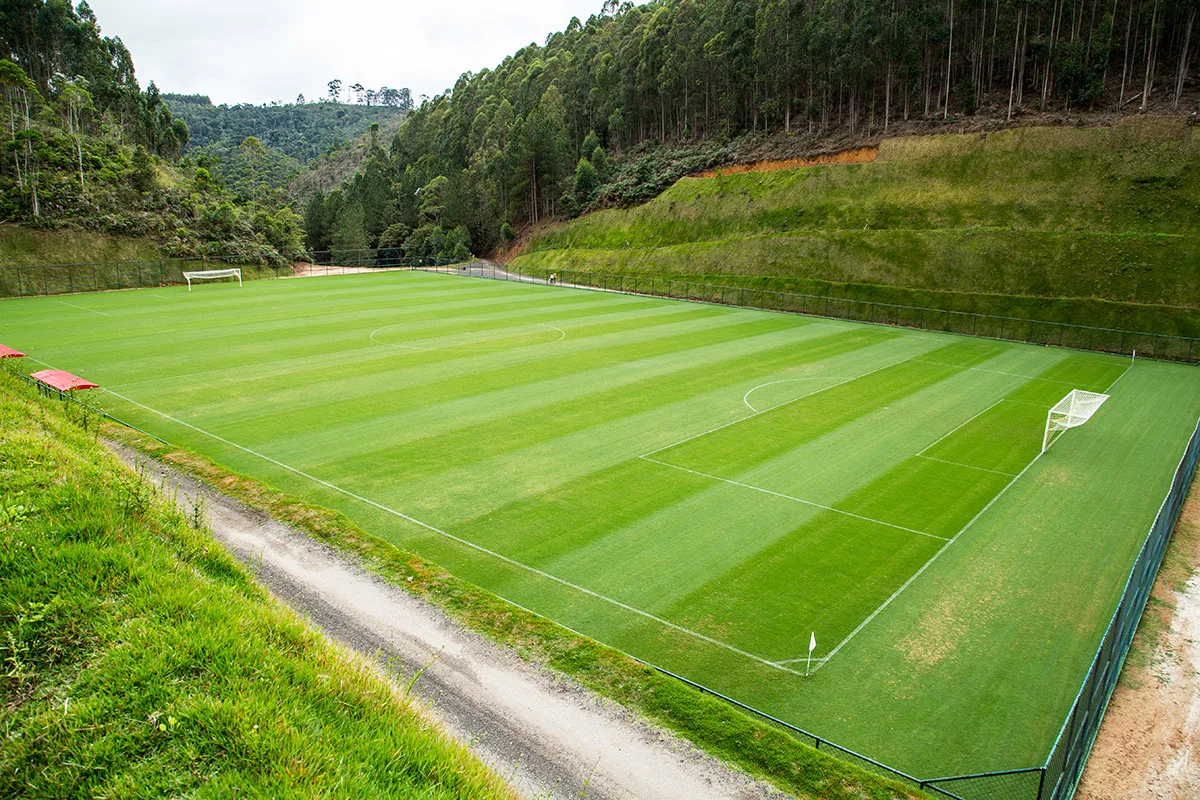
(393,98)
(85,146)
(533,137)
(301,131)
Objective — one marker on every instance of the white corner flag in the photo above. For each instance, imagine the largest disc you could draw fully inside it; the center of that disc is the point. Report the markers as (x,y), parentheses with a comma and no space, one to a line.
(812,645)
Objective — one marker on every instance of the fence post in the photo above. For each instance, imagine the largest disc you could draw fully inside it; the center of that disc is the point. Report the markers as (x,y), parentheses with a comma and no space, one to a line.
(20,283)
(71,279)
(45,290)
(95,283)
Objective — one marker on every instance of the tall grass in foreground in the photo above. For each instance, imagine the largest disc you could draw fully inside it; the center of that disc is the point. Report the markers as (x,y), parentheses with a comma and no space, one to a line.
(137,659)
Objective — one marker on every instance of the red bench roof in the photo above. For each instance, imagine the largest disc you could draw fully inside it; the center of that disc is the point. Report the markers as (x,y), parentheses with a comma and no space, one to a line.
(63,381)
(8,352)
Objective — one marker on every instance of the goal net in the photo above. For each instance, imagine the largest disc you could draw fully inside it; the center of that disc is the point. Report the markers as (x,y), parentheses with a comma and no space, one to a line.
(212,274)
(1070,412)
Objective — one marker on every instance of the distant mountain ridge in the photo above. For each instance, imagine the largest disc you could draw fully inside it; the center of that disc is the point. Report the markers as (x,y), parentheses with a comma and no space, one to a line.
(300,131)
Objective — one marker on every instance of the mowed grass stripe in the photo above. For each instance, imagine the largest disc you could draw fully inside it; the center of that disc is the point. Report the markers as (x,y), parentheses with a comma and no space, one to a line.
(669,379)
(402,378)
(731,450)
(830,466)
(481,488)
(229,343)
(354,357)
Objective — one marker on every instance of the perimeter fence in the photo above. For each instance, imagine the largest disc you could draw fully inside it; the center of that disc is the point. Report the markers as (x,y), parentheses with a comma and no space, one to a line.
(98,276)
(1165,347)
(1057,778)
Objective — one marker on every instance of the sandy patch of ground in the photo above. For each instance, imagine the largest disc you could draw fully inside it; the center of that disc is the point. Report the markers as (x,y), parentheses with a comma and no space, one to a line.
(548,736)
(1149,742)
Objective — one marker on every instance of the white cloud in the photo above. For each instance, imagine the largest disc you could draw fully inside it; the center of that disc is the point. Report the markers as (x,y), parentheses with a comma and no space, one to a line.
(255,51)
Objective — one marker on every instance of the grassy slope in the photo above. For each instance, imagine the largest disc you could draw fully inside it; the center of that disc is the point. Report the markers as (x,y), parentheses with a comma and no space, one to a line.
(139,660)
(1092,226)
(555,426)
(23,246)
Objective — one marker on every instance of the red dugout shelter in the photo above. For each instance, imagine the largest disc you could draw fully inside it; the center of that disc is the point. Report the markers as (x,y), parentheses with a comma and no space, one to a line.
(62,381)
(8,352)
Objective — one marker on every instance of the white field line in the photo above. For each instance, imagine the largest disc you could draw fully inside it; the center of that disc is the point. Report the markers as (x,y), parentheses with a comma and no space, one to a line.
(997,372)
(746,396)
(957,428)
(790,497)
(462,541)
(966,466)
(561,332)
(1122,375)
(772,408)
(81,308)
(926,565)
(935,556)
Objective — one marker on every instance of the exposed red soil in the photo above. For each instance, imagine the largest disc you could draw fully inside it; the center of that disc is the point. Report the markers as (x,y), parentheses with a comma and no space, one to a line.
(857,155)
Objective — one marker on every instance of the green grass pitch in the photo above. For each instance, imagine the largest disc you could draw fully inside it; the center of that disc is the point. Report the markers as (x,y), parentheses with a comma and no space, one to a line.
(703,487)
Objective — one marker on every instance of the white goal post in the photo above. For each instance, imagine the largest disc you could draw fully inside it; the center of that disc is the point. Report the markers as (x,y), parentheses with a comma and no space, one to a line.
(1070,412)
(207,274)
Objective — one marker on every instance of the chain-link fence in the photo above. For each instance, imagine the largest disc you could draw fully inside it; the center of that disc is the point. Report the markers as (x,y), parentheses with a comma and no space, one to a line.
(1065,764)
(99,276)
(1166,347)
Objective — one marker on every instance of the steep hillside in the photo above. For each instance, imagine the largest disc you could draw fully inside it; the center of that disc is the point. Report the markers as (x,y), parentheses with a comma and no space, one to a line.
(23,246)
(141,661)
(1091,226)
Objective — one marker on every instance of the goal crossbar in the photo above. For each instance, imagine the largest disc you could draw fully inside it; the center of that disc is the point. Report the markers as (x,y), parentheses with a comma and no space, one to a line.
(1072,411)
(208,274)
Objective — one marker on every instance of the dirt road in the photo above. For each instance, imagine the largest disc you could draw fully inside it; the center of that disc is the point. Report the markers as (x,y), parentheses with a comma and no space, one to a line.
(548,736)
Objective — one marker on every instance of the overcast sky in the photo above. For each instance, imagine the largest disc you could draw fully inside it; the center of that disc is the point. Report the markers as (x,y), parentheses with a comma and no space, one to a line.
(256,51)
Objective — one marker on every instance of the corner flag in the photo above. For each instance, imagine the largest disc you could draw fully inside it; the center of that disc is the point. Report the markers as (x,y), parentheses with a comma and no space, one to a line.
(812,645)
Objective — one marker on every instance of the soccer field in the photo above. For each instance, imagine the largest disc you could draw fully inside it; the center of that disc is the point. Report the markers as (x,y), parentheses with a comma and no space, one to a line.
(703,487)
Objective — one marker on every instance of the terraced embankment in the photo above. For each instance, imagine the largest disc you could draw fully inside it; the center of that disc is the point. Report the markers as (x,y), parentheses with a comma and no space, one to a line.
(1093,226)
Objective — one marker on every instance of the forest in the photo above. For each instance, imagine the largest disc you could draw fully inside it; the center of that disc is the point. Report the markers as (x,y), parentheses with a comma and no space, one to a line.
(302,130)
(86,147)
(611,110)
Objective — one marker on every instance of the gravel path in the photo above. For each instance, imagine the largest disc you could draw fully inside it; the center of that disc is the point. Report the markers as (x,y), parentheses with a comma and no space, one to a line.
(548,736)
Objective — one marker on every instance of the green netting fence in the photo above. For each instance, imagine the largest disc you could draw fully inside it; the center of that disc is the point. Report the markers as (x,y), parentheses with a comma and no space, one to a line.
(1164,347)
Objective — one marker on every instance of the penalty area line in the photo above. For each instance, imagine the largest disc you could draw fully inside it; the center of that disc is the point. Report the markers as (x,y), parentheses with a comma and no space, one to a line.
(927,564)
(794,499)
(462,541)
